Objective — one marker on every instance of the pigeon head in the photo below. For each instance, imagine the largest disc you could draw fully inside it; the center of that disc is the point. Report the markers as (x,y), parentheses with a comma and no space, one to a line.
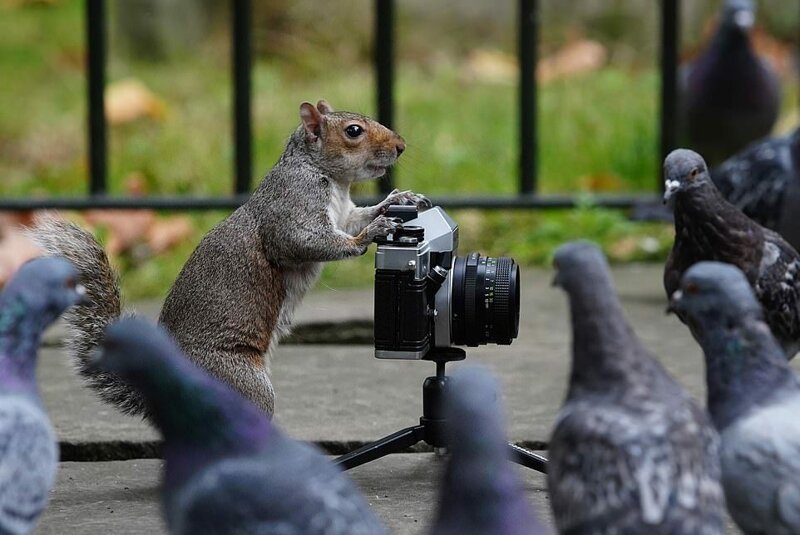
(739,15)
(684,169)
(138,352)
(38,293)
(481,490)
(744,362)
(577,261)
(715,292)
(187,404)
(473,409)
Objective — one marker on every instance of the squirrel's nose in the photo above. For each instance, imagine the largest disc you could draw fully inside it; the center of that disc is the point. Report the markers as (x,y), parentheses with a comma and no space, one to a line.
(400,148)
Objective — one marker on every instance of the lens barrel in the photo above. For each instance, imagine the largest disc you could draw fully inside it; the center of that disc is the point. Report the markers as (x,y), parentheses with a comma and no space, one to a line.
(485,300)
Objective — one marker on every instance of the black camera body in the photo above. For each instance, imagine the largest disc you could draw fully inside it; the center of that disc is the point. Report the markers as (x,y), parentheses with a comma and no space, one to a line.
(428,297)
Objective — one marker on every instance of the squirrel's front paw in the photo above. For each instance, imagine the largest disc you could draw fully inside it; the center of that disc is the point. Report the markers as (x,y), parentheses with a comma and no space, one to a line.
(379,227)
(408,198)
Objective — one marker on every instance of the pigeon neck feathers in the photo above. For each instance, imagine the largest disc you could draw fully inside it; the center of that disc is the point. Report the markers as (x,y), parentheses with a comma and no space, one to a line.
(605,349)
(710,228)
(481,478)
(19,342)
(201,419)
(481,491)
(744,366)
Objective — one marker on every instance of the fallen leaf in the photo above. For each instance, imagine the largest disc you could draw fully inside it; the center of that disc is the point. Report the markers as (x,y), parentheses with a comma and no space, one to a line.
(490,67)
(575,58)
(166,233)
(125,228)
(128,100)
(601,182)
(15,250)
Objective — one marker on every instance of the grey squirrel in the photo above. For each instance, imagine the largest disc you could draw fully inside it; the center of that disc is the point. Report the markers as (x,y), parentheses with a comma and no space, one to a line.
(236,295)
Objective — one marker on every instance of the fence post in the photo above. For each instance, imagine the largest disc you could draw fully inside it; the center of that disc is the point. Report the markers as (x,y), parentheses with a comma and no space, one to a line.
(528,42)
(670,13)
(242,118)
(383,39)
(95,80)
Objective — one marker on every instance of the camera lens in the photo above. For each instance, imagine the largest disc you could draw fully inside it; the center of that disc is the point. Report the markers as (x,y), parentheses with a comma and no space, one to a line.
(485,300)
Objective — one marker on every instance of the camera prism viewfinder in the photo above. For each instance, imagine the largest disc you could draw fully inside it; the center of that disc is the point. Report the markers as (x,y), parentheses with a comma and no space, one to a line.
(426,296)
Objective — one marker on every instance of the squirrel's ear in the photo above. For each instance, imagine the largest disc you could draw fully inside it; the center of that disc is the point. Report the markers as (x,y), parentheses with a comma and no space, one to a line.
(324,108)
(312,120)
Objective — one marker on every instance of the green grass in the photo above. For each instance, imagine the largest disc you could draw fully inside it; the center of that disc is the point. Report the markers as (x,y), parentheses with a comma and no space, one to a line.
(597,132)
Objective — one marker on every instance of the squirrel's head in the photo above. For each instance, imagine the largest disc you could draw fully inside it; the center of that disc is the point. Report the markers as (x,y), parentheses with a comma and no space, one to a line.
(349,146)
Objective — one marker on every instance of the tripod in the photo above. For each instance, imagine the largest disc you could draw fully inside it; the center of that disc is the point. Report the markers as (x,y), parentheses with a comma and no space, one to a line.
(431,427)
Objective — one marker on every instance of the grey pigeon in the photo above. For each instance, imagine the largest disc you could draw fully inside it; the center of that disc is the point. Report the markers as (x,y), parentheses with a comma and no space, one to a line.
(228,469)
(37,294)
(631,452)
(753,397)
(481,493)
(707,227)
(763,181)
(729,97)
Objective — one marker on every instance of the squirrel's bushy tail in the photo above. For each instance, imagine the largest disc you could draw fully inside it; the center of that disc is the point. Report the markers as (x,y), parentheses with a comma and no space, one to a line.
(87,321)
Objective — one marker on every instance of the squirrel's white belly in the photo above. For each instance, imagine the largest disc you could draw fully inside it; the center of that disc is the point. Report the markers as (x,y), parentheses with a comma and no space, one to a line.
(297,281)
(340,205)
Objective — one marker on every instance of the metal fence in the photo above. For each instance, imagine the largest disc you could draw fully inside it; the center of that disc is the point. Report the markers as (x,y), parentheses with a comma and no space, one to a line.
(384,64)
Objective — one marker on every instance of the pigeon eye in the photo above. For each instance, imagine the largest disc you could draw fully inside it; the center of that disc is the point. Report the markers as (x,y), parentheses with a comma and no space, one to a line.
(353,131)
(692,289)
(70,283)
(694,172)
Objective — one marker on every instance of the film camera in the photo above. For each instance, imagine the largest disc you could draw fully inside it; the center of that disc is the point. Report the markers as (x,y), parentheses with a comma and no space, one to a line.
(428,297)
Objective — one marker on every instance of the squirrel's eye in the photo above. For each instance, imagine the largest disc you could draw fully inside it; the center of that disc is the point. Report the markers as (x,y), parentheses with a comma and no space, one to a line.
(353,131)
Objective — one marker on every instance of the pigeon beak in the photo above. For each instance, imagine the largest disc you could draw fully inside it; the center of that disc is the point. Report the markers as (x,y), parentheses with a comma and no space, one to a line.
(671,187)
(556,282)
(744,19)
(95,359)
(674,303)
(80,289)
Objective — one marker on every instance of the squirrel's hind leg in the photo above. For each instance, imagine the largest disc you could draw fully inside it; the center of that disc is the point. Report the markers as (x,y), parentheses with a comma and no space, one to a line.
(248,374)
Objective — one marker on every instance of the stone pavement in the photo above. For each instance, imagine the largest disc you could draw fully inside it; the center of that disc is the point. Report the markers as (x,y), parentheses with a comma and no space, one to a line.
(341,397)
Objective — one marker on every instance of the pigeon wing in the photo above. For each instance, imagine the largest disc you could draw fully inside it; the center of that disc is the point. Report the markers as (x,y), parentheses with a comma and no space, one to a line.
(28,462)
(611,470)
(778,290)
(755,181)
(761,469)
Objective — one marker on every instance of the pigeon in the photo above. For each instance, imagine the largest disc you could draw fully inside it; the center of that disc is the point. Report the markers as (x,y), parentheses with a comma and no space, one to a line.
(707,227)
(481,492)
(228,469)
(729,97)
(35,296)
(631,451)
(753,398)
(763,181)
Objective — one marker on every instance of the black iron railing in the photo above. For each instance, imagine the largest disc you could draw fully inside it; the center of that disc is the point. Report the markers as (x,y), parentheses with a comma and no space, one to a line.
(527,196)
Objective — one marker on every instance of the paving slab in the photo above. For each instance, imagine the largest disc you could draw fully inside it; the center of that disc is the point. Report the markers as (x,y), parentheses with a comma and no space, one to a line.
(122,497)
(334,393)
(342,393)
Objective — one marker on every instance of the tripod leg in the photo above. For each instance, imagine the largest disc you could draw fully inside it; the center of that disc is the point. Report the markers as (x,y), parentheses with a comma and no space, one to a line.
(390,444)
(528,459)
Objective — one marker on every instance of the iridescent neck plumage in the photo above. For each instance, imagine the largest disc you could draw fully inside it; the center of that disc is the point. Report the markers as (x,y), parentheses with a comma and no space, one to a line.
(744,366)
(603,345)
(20,335)
(201,420)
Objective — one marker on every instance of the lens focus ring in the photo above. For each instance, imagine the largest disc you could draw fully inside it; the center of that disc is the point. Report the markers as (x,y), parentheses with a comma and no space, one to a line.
(485,299)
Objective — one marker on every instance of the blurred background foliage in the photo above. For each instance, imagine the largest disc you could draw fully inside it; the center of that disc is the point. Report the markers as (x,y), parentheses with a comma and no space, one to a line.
(169,107)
